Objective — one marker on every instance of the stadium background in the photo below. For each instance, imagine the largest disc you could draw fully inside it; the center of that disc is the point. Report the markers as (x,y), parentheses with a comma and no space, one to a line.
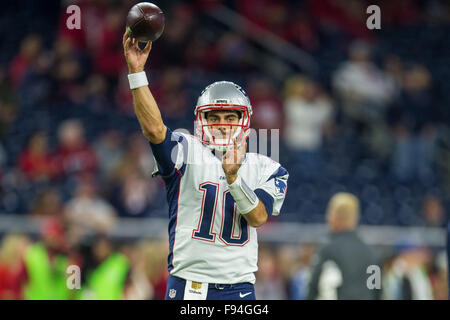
(359,110)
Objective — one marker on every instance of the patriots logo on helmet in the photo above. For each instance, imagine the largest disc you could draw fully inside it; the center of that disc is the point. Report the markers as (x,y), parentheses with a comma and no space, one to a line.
(280,185)
(241,90)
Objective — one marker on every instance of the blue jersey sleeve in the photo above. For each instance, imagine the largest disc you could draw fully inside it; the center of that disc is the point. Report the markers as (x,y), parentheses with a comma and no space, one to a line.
(170,155)
(266,199)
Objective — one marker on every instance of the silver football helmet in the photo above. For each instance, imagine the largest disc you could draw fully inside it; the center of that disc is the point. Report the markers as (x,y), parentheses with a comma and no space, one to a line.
(222,95)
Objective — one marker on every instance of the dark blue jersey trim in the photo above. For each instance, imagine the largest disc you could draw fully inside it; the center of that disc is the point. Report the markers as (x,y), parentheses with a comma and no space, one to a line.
(266,199)
(163,153)
(279,173)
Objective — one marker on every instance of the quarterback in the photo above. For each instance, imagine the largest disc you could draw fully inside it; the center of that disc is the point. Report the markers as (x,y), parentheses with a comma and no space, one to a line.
(217,193)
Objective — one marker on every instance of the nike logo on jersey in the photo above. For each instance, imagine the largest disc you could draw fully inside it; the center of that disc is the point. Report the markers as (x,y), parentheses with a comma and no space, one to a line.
(244,295)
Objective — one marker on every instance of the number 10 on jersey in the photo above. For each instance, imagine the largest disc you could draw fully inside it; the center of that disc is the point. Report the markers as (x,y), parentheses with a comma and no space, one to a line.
(204,230)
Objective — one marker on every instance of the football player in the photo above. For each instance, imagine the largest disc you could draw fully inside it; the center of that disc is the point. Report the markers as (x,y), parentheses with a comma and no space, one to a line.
(217,193)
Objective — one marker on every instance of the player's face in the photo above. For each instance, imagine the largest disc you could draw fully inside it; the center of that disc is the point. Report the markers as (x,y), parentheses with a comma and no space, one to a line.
(222,121)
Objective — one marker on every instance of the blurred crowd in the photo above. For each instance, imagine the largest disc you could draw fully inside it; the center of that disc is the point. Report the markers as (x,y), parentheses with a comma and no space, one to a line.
(36,268)
(373,120)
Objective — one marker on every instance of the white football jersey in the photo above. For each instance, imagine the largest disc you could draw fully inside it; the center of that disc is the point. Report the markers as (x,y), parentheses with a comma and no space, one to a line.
(210,241)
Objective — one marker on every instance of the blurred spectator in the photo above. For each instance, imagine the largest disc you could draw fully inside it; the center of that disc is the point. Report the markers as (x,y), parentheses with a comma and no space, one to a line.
(339,271)
(298,288)
(73,155)
(234,54)
(97,95)
(47,203)
(275,17)
(438,276)
(106,272)
(269,282)
(68,80)
(172,97)
(8,104)
(109,152)
(270,15)
(267,107)
(137,195)
(135,192)
(177,35)
(67,73)
(395,69)
(364,88)
(35,160)
(53,235)
(108,56)
(433,211)
(302,32)
(286,256)
(137,157)
(402,12)
(89,211)
(407,278)
(154,254)
(63,48)
(346,16)
(138,285)
(365,92)
(308,115)
(87,37)
(46,264)
(308,112)
(29,50)
(415,135)
(202,55)
(35,92)
(123,98)
(12,269)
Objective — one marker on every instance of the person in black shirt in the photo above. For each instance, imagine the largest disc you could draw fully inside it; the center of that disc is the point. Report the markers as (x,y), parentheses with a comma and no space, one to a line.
(340,270)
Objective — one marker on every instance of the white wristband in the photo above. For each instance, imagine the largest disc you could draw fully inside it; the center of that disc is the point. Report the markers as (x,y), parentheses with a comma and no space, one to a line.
(246,200)
(138,79)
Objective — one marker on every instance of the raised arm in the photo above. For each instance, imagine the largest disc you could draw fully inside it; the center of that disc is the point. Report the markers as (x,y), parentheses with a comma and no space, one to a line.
(145,106)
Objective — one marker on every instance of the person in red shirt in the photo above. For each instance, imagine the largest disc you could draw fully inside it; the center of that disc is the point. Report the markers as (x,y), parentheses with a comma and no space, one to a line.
(108,53)
(35,161)
(12,269)
(29,50)
(73,155)
(267,102)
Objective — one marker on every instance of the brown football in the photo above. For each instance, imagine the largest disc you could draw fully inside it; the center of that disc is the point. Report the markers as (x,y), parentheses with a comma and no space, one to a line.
(145,22)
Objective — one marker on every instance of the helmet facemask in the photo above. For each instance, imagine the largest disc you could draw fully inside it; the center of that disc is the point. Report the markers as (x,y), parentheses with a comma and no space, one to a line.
(210,135)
